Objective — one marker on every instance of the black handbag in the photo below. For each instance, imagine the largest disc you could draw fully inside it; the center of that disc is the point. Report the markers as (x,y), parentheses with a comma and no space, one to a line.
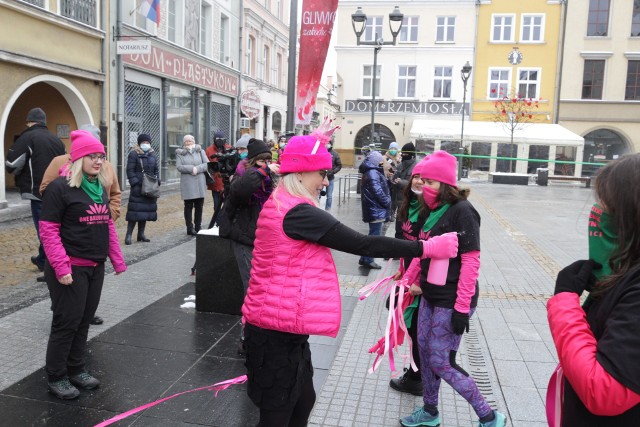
(150,185)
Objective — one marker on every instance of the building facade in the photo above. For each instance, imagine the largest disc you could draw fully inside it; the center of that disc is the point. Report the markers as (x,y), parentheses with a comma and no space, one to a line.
(600,85)
(265,47)
(417,79)
(517,57)
(52,55)
(188,83)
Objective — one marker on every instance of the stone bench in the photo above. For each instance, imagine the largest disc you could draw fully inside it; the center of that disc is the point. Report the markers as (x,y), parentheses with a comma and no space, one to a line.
(565,178)
(509,178)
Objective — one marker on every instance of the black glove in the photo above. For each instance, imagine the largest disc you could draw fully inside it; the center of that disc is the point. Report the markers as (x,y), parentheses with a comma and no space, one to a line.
(459,322)
(577,277)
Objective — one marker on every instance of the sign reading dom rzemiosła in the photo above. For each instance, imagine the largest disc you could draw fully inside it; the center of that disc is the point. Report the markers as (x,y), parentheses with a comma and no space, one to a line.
(406,107)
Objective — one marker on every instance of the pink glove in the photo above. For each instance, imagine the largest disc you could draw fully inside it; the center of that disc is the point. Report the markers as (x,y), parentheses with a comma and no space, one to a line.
(440,247)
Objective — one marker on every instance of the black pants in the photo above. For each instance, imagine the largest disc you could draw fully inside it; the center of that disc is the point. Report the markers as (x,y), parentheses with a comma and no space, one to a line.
(295,417)
(189,206)
(73,308)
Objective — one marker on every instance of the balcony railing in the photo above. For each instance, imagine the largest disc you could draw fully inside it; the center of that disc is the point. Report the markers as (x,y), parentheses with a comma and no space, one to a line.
(79,10)
(39,3)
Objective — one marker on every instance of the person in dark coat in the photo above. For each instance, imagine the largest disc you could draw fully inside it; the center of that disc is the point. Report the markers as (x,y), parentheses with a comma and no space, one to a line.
(140,208)
(376,199)
(336,166)
(27,159)
(401,179)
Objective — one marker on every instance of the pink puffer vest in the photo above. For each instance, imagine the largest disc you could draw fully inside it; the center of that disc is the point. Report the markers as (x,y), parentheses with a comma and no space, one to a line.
(294,286)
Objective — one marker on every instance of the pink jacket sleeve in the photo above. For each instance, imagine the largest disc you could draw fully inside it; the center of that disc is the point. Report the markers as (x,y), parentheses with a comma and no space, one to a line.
(52,243)
(469,272)
(115,254)
(576,345)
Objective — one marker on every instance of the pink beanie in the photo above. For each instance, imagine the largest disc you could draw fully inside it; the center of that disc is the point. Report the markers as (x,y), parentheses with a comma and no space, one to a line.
(440,166)
(418,167)
(305,154)
(84,143)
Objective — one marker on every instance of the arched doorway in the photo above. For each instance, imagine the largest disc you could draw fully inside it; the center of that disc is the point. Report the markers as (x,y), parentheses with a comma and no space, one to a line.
(65,106)
(276,123)
(602,146)
(383,136)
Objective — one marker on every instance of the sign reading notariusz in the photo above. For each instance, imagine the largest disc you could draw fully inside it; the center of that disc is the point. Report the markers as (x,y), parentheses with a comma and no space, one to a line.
(406,107)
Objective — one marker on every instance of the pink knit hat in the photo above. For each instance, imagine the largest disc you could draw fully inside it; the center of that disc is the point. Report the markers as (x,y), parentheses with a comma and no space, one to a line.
(418,167)
(84,143)
(304,154)
(440,166)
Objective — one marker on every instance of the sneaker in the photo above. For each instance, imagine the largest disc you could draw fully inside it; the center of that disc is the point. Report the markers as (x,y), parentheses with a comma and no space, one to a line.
(84,380)
(407,384)
(420,417)
(63,389)
(499,421)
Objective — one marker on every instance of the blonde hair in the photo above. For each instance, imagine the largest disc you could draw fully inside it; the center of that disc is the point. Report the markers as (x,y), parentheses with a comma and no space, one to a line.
(74,177)
(294,186)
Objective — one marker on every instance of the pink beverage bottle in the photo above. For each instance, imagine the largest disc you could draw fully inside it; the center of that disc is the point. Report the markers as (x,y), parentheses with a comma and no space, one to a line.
(437,274)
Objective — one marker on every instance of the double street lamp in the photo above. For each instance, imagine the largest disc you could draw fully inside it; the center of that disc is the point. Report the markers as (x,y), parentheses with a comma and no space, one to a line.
(359,23)
(465,73)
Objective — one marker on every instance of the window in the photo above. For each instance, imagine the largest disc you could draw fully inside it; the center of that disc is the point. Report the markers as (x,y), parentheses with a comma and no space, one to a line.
(598,23)
(367,78)
(279,9)
(633,81)
(445,28)
(593,79)
(499,79)
(532,30)
(224,39)
(80,10)
(442,82)
(205,19)
(248,68)
(171,21)
(277,71)
(266,63)
(374,28)
(406,81)
(502,28)
(409,30)
(528,83)
(635,20)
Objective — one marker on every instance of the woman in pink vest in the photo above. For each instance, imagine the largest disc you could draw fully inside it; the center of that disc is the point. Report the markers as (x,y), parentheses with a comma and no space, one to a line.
(293,289)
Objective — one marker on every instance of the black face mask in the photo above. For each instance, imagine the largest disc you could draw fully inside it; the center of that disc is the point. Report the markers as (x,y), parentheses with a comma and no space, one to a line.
(407,157)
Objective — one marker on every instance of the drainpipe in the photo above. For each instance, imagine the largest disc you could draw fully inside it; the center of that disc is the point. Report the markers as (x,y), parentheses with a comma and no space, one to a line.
(475,48)
(120,101)
(563,27)
(235,102)
(105,66)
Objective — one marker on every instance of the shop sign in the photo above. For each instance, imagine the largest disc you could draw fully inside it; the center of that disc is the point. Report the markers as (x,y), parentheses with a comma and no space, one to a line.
(406,107)
(250,104)
(130,47)
(178,67)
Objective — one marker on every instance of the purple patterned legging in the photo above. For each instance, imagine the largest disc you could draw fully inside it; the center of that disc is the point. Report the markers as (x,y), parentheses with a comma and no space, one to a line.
(438,345)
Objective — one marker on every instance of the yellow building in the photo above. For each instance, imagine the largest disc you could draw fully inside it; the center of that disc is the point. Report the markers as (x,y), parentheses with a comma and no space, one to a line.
(517,55)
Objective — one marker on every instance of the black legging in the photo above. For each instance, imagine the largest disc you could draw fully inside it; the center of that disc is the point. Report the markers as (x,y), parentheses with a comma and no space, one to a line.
(294,417)
(189,206)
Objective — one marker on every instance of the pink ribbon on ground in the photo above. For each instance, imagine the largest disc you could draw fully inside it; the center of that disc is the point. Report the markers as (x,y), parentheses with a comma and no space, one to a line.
(222,385)
(395,329)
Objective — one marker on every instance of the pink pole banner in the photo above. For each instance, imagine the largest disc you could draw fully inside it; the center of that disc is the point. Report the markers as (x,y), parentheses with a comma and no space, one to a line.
(315,34)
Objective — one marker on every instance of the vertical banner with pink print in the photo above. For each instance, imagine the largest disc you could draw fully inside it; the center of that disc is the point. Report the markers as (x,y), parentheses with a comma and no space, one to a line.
(315,34)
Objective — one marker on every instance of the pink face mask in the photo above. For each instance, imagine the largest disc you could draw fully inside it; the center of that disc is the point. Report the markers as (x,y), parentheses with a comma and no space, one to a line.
(430,196)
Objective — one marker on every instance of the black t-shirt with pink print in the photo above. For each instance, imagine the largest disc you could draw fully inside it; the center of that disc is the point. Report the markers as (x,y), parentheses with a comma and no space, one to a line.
(84,224)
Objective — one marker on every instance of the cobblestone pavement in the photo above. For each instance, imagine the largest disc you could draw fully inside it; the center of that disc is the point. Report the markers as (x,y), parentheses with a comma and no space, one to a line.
(18,242)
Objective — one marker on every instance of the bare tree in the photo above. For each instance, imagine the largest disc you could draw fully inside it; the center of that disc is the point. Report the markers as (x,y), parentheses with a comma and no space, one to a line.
(514,113)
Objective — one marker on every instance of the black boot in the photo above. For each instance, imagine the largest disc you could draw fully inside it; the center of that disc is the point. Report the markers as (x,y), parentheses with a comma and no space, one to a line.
(141,227)
(410,382)
(130,226)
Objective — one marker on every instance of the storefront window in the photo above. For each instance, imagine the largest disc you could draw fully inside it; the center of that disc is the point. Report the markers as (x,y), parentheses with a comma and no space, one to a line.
(424,147)
(506,150)
(480,149)
(203,136)
(564,153)
(601,146)
(540,152)
(179,124)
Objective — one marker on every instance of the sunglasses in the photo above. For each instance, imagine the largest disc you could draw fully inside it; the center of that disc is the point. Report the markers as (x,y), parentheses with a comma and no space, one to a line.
(96,156)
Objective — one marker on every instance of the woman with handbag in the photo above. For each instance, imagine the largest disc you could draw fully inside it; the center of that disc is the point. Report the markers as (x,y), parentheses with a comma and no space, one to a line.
(598,344)
(192,163)
(142,161)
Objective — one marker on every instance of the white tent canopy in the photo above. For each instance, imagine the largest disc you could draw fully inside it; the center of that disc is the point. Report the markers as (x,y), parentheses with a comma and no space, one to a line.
(475,131)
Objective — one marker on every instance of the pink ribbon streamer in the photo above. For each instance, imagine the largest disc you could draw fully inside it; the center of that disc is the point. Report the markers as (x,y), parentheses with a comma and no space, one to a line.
(555,395)
(223,385)
(395,329)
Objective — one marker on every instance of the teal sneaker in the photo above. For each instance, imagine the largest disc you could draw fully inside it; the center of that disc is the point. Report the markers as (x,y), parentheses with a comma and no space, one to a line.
(420,417)
(499,421)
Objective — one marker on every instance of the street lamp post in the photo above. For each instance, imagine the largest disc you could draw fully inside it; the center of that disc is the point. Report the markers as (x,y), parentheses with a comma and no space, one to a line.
(465,73)
(359,23)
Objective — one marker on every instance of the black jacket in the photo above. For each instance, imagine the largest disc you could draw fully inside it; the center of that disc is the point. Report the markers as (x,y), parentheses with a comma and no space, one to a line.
(336,164)
(30,156)
(141,208)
